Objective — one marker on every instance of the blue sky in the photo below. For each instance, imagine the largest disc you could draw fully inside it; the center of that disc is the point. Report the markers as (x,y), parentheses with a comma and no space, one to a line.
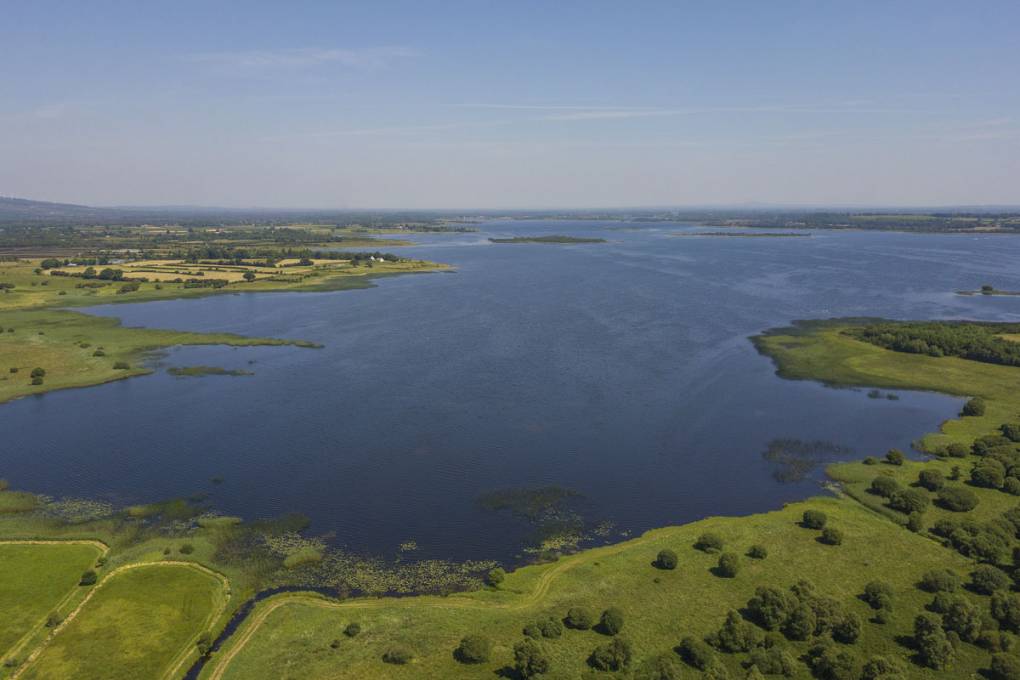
(510,104)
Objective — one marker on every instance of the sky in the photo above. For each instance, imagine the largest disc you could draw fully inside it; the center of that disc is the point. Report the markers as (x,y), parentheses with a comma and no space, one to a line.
(498,104)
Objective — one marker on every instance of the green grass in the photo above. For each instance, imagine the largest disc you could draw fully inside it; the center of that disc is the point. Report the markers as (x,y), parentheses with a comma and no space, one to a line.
(137,625)
(34,580)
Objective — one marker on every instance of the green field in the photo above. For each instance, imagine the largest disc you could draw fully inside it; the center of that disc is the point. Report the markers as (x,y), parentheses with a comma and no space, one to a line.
(140,623)
(35,579)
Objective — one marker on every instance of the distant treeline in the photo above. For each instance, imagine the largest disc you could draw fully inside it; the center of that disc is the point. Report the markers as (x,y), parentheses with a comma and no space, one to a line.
(240,254)
(974,341)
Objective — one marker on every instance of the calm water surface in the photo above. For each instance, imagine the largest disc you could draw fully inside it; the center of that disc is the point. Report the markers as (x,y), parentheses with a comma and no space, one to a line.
(619,370)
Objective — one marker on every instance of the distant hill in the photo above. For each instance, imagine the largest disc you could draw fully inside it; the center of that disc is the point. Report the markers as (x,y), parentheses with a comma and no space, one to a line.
(43,212)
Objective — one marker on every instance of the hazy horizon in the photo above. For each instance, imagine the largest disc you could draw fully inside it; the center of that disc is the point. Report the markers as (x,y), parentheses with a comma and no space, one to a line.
(530,106)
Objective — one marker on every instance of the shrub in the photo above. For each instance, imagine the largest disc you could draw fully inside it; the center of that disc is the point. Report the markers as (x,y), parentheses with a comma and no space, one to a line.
(931,479)
(532,631)
(1005,667)
(832,536)
(847,629)
(550,628)
(974,407)
(352,630)
(729,565)
(915,522)
(814,519)
(121,365)
(696,653)
(829,662)
(758,552)
(774,661)
(1005,609)
(909,500)
(99,353)
(579,618)
(709,542)
(204,644)
(957,499)
(495,577)
(186,549)
(666,559)
(38,373)
(987,579)
(736,635)
(530,659)
(940,581)
(661,667)
(871,460)
(895,457)
(615,655)
(957,450)
(1011,431)
(883,668)
(933,647)
(878,594)
(88,578)
(962,617)
(771,607)
(37,381)
(884,486)
(988,474)
(801,624)
(611,621)
(1011,486)
(474,649)
(397,655)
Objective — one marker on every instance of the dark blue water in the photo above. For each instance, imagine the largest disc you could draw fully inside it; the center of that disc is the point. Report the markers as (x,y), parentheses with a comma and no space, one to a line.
(619,370)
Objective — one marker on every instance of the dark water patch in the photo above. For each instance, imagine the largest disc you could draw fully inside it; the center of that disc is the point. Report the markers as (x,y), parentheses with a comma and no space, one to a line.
(795,459)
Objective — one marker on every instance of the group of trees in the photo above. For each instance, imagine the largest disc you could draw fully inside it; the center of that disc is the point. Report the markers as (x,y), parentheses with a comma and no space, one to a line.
(974,341)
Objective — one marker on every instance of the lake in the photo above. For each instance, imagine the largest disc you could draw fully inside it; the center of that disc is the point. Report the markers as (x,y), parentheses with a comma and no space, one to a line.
(621,371)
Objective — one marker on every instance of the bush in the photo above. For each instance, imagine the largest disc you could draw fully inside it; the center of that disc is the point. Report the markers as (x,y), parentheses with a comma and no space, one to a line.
(884,486)
(774,661)
(473,649)
(974,407)
(933,647)
(88,578)
(802,623)
(38,373)
(397,655)
(814,519)
(579,618)
(871,460)
(771,607)
(957,499)
(829,662)
(611,621)
(909,500)
(37,381)
(729,565)
(962,617)
(736,635)
(1005,667)
(878,594)
(848,629)
(940,581)
(612,656)
(186,549)
(758,552)
(352,630)
(530,659)
(1011,431)
(121,365)
(99,353)
(895,457)
(662,667)
(495,577)
(709,542)
(1011,486)
(957,450)
(931,479)
(915,522)
(550,628)
(832,536)
(988,474)
(666,559)
(987,579)
(696,653)
(883,668)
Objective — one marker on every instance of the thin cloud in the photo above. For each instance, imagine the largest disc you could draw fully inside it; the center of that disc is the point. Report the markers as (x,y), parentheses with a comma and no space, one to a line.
(364,57)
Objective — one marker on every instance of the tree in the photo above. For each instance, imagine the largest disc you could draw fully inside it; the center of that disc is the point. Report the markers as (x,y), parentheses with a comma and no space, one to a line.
(666,559)
(957,499)
(933,647)
(771,607)
(352,630)
(579,618)
(987,579)
(249,276)
(611,621)
(832,536)
(530,659)
(661,667)
(814,519)
(38,373)
(550,628)
(757,552)
(848,629)
(801,624)
(696,653)
(974,407)
(962,617)
(989,474)
(729,565)
(474,649)
(1006,610)
(709,542)
(88,578)
(895,457)
(828,662)
(204,644)
(883,668)
(957,450)
(774,660)
(933,480)
(915,522)
(878,594)
(615,655)
(1011,431)
(495,577)
(1005,667)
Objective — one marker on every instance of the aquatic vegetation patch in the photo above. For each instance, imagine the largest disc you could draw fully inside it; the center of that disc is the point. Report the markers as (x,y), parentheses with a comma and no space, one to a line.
(795,459)
(201,371)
